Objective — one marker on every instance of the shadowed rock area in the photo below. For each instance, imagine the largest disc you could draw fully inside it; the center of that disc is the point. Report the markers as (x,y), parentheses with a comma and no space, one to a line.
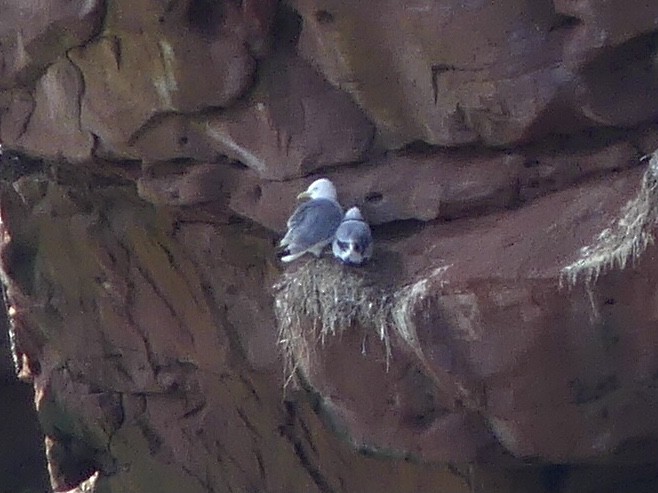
(502,339)
(22,460)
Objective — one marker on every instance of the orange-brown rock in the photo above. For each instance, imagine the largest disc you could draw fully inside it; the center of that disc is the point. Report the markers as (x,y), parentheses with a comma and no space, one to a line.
(502,338)
(57,99)
(292,124)
(34,33)
(450,72)
(537,348)
(160,68)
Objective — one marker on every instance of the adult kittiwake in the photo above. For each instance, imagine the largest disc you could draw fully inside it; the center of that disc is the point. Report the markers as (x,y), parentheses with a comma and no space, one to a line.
(313,224)
(353,241)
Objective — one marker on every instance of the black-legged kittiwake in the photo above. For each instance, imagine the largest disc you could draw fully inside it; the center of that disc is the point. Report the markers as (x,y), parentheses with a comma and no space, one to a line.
(353,241)
(313,224)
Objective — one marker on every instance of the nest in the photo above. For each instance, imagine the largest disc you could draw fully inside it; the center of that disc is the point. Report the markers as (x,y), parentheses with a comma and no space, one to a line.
(323,299)
(625,240)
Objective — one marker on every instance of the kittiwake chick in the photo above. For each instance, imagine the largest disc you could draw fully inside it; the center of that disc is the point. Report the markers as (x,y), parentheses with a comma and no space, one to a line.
(353,242)
(313,224)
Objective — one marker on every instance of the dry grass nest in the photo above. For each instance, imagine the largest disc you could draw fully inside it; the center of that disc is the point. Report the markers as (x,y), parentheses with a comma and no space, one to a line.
(323,298)
(625,239)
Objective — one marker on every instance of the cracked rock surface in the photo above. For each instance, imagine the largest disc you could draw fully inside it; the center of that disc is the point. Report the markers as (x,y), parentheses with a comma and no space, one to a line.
(503,337)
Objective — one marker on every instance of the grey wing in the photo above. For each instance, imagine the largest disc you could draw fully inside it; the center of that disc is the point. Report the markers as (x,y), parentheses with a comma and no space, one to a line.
(356,232)
(313,222)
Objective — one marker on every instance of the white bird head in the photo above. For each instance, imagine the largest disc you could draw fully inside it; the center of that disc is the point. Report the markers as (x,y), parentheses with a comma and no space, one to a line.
(354,213)
(320,189)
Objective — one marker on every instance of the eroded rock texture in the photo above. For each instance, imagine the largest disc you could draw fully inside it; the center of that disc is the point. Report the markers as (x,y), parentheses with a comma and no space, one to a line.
(22,460)
(151,153)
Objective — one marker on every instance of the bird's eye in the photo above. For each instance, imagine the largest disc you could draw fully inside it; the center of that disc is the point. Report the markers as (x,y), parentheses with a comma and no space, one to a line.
(342,245)
(357,248)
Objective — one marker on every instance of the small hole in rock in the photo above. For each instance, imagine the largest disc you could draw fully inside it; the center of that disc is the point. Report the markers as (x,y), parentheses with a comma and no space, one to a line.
(235,164)
(35,367)
(374,197)
(324,17)
(562,21)
(234,220)
(183,140)
(204,15)
(610,301)
(258,192)
(287,27)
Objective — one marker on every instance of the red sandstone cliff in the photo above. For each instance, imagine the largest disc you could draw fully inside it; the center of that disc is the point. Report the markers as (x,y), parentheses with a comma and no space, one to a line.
(151,154)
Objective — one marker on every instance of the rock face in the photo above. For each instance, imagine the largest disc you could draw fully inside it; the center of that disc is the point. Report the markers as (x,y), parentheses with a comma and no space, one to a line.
(151,154)
(22,461)
(488,351)
(452,72)
(35,33)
